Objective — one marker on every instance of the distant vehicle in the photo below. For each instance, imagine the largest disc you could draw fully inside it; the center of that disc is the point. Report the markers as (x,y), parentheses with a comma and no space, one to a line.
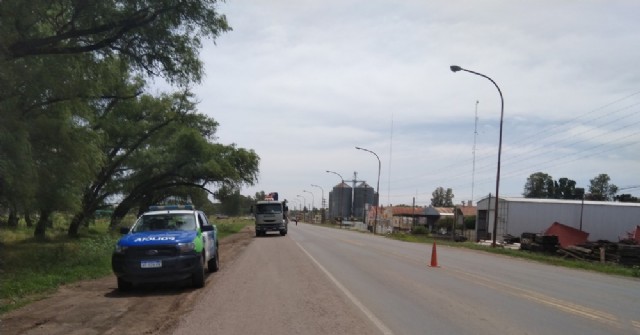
(167,243)
(271,215)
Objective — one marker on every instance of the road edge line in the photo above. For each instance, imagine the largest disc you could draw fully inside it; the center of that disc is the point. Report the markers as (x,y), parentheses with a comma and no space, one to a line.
(379,324)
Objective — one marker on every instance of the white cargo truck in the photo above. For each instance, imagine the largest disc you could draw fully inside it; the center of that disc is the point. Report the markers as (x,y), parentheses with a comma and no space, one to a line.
(271,215)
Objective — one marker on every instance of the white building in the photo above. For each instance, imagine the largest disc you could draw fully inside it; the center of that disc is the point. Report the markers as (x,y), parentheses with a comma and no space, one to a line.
(602,220)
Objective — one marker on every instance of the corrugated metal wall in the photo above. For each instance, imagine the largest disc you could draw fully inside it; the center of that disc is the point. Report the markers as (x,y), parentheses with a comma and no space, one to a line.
(602,220)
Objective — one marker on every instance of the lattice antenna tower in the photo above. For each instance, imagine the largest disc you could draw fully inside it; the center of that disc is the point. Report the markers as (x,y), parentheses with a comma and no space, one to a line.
(475,135)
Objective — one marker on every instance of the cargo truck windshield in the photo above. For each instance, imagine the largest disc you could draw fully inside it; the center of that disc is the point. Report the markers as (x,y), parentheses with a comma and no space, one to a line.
(269,208)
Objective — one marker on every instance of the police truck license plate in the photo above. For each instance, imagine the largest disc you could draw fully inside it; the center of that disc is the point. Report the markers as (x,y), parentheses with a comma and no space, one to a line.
(150,264)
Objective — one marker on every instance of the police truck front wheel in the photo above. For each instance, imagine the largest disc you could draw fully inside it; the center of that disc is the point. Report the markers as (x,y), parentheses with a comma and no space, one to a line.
(197,279)
(124,285)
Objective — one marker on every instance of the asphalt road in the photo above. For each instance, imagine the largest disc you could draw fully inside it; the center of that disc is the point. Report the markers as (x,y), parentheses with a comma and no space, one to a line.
(274,288)
(320,280)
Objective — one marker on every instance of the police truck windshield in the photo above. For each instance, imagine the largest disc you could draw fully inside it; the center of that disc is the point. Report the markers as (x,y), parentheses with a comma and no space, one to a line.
(165,222)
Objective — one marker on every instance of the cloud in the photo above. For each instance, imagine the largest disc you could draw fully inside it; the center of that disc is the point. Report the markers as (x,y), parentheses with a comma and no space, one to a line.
(304,82)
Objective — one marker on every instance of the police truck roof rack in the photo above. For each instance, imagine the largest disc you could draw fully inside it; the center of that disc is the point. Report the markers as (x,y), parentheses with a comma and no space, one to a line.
(171,207)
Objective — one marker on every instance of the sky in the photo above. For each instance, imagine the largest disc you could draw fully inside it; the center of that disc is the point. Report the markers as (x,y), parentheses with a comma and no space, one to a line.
(304,82)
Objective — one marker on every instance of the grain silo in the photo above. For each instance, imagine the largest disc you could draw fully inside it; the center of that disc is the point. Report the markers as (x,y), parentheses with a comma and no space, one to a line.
(340,201)
(363,195)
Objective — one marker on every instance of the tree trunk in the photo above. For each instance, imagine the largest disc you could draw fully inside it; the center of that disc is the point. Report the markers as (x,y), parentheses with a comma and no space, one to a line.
(81,218)
(78,220)
(43,222)
(122,210)
(27,219)
(117,215)
(13,220)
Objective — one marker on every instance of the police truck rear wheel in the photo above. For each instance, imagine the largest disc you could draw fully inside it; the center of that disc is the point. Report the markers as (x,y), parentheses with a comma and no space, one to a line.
(214,263)
(197,279)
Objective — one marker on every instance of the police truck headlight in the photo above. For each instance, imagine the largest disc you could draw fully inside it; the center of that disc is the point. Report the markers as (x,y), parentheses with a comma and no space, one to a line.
(120,249)
(186,247)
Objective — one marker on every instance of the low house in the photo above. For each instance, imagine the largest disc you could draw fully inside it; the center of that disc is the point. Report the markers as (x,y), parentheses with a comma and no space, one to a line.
(435,214)
(403,218)
(462,212)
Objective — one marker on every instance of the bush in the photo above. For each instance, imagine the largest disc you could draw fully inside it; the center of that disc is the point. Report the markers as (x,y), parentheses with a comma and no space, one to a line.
(470,222)
(419,230)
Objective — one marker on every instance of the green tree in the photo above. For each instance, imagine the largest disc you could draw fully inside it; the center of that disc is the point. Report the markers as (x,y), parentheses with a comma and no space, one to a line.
(539,185)
(158,37)
(67,55)
(600,189)
(200,199)
(181,156)
(40,110)
(565,188)
(261,195)
(230,199)
(125,122)
(442,197)
(626,198)
(64,159)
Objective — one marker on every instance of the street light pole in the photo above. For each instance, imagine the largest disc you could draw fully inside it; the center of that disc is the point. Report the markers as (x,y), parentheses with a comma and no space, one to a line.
(321,190)
(321,203)
(313,201)
(304,206)
(375,221)
(340,196)
(456,68)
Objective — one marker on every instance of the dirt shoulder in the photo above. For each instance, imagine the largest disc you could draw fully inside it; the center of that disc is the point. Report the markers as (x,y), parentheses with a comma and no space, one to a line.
(97,307)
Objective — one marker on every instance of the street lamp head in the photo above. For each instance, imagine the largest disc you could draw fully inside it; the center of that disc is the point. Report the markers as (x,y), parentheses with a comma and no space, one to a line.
(358,148)
(455,68)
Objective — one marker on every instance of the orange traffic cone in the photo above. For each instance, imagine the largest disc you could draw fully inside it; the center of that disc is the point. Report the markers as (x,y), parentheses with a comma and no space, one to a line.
(434,256)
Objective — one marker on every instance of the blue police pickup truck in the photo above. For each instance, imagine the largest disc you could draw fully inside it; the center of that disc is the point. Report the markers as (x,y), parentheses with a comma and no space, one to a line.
(167,243)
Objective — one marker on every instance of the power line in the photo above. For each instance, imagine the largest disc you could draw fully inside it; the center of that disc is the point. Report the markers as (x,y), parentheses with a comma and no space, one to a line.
(566,140)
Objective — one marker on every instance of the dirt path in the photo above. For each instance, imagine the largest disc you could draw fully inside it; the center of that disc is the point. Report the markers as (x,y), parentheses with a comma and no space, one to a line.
(97,307)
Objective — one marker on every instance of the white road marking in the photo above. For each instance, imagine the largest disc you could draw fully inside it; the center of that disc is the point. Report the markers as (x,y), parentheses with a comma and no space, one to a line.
(351,297)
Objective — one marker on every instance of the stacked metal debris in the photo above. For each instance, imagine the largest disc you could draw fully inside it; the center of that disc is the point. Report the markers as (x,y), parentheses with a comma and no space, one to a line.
(539,243)
(604,251)
(629,254)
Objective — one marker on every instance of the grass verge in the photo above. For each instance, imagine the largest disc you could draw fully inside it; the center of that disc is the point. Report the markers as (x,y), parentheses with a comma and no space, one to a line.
(606,268)
(231,226)
(30,269)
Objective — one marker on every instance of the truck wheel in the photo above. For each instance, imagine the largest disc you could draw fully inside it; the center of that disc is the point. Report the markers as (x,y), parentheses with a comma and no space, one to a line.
(124,285)
(283,232)
(197,279)
(214,263)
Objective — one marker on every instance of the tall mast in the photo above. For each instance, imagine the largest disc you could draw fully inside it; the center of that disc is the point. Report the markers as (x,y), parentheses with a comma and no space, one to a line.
(475,134)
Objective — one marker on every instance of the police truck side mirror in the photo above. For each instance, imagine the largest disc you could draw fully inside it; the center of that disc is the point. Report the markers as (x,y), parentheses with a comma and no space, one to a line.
(251,209)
